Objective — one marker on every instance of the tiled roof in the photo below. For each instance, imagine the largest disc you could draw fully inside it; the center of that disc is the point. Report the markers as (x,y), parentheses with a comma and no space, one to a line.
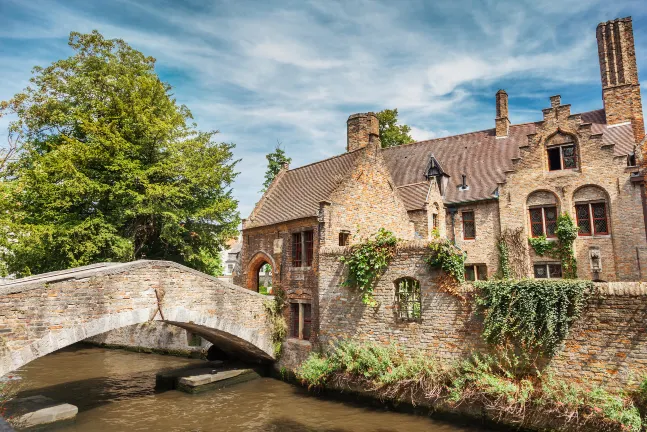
(478,155)
(298,193)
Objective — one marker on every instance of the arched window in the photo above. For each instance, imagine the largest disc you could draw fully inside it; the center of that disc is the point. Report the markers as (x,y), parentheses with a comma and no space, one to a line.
(542,213)
(591,211)
(561,152)
(408,299)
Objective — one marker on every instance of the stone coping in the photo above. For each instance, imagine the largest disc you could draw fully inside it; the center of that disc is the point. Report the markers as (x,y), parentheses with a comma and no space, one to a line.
(106,269)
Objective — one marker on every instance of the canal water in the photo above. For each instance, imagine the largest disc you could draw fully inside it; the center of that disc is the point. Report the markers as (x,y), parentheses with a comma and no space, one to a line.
(115,391)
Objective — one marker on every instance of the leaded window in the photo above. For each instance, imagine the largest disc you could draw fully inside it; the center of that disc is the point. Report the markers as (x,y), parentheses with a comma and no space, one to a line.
(562,157)
(543,221)
(592,219)
(548,271)
(408,300)
(469,226)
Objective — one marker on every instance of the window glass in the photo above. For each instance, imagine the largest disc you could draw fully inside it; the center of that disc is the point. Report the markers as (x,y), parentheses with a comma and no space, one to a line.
(344,238)
(540,271)
(294,315)
(568,156)
(296,249)
(555,270)
(409,304)
(470,274)
(550,216)
(547,271)
(307,320)
(583,219)
(482,272)
(599,211)
(543,221)
(469,226)
(536,222)
(309,244)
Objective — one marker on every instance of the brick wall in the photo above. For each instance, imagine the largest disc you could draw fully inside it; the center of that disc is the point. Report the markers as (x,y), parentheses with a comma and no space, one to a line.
(607,346)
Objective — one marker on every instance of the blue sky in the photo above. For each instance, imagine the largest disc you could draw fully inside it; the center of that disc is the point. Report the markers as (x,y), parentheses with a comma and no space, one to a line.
(292,71)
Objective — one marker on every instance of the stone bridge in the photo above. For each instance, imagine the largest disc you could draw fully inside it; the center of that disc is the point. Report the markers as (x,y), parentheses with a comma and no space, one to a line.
(43,313)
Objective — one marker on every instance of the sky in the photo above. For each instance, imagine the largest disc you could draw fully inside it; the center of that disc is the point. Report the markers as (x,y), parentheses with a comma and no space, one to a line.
(292,71)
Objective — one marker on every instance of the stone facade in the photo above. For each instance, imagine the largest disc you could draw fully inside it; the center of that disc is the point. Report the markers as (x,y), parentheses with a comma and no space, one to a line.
(607,346)
(41,314)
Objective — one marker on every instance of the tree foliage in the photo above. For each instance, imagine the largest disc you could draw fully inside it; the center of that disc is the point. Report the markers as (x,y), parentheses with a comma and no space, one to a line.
(392,133)
(112,168)
(275,161)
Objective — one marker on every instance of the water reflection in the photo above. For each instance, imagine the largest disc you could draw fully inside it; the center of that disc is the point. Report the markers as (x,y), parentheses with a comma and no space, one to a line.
(115,391)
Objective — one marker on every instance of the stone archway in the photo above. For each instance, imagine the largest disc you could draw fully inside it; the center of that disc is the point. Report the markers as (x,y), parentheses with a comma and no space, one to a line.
(256,263)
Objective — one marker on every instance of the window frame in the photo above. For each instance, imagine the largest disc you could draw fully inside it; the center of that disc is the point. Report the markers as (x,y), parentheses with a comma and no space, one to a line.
(303,248)
(547,266)
(475,268)
(561,147)
(344,238)
(543,220)
(591,218)
(410,297)
(473,221)
(300,325)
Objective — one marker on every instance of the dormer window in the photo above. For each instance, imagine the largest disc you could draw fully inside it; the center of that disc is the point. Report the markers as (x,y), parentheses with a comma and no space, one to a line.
(562,157)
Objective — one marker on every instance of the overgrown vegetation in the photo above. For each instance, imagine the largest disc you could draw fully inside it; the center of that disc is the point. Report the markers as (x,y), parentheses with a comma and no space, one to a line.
(531,315)
(513,255)
(444,255)
(279,327)
(504,260)
(562,248)
(367,261)
(486,383)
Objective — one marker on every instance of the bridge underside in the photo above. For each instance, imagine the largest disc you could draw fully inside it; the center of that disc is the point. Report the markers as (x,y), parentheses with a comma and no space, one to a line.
(232,345)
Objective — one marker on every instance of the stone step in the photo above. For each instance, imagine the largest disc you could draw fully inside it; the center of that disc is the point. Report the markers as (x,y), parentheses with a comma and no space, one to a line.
(32,411)
(168,380)
(212,381)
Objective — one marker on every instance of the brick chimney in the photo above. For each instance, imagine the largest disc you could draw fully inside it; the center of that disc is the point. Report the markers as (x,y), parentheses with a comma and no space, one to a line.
(360,127)
(502,121)
(619,73)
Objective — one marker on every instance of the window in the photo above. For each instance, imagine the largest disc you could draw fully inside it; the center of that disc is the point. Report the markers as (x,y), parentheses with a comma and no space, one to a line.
(301,320)
(474,272)
(296,249)
(562,157)
(230,268)
(344,238)
(469,226)
(592,219)
(543,221)
(408,301)
(302,248)
(434,221)
(631,159)
(548,271)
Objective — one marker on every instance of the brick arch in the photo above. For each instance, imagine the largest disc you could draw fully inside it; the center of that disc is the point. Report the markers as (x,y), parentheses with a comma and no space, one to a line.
(554,138)
(254,265)
(543,197)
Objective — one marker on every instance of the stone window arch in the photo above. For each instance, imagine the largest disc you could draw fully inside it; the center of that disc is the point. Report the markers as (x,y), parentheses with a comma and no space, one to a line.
(408,301)
(543,209)
(562,152)
(591,209)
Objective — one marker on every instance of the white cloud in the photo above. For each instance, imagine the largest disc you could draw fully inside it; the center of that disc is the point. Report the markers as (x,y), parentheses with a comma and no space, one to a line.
(261,72)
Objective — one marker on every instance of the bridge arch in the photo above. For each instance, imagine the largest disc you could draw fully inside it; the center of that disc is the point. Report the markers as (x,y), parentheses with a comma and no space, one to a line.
(47,312)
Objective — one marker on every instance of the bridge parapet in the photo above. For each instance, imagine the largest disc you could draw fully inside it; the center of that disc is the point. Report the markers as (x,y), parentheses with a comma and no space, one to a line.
(43,313)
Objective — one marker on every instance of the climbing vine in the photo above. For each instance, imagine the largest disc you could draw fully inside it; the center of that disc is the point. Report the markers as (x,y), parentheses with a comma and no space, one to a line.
(562,248)
(367,261)
(504,260)
(279,327)
(449,258)
(513,255)
(533,316)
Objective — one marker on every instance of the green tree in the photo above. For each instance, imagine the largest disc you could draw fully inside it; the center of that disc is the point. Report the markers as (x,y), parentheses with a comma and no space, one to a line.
(391,133)
(275,161)
(111,168)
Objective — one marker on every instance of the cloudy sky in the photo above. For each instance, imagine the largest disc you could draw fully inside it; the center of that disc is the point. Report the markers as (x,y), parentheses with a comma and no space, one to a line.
(291,71)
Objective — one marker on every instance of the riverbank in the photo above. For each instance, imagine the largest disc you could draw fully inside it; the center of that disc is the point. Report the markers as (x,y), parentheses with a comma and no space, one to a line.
(481,388)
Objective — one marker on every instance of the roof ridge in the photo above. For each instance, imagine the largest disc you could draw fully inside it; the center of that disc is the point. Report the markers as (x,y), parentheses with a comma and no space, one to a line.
(327,159)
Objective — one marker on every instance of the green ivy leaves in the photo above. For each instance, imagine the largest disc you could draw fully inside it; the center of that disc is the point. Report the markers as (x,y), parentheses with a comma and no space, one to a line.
(529,314)
(561,249)
(366,261)
(447,257)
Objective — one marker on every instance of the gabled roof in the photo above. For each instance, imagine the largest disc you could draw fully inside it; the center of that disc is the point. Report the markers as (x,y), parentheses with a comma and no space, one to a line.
(478,155)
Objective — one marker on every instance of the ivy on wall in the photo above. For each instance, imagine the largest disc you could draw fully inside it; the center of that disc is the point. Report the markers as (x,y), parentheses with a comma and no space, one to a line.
(513,254)
(367,261)
(279,327)
(531,315)
(562,248)
(445,256)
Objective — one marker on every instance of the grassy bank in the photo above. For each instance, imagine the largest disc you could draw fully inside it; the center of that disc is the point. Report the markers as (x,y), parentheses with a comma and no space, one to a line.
(481,386)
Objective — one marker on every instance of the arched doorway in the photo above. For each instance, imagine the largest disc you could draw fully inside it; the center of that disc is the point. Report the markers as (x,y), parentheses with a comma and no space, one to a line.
(260,274)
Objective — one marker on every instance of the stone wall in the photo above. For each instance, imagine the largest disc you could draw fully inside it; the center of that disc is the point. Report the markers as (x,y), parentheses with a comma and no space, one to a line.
(607,346)
(43,313)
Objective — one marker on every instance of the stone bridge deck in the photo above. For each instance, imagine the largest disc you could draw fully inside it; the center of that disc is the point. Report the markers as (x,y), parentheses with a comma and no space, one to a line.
(43,313)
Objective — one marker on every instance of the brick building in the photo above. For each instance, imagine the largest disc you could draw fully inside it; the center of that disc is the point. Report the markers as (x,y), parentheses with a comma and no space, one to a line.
(470,188)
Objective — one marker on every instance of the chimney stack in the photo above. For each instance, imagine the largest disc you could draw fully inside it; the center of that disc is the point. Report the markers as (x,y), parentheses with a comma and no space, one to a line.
(619,74)
(502,121)
(360,127)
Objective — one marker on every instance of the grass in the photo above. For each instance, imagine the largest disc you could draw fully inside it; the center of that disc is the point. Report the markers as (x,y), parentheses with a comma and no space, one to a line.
(492,384)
